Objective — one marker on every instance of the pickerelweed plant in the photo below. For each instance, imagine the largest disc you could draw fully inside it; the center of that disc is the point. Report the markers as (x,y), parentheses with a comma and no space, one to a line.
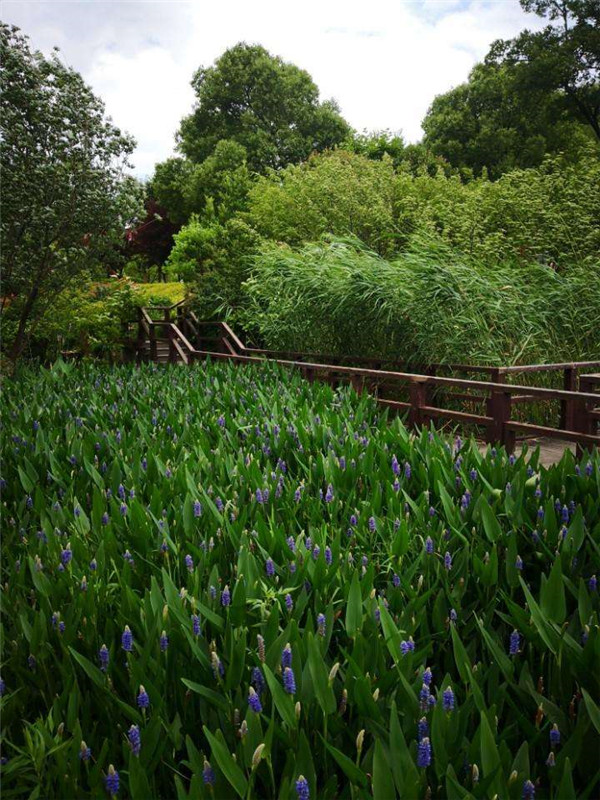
(296,601)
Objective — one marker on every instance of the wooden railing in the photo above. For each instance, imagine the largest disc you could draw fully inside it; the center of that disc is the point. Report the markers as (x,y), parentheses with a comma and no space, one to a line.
(580,404)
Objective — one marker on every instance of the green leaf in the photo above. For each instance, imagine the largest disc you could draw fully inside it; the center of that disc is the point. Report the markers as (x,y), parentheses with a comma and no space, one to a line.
(227,765)
(552,594)
(354,774)
(320,677)
(354,607)
(491,526)
(592,709)
(383,780)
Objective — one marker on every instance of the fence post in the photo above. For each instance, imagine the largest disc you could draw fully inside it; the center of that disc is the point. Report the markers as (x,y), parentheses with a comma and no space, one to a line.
(418,399)
(499,408)
(153,351)
(583,422)
(568,404)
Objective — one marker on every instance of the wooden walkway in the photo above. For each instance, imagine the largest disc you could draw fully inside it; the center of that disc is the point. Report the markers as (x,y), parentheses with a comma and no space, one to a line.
(436,393)
(551,450)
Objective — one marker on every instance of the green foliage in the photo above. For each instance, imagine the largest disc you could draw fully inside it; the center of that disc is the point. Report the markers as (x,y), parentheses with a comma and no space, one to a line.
(111,478)
(87,320)
(219,185)
(65,201)
(215,258)
(429,304)
(562,61)
(492,124)
(549,213)
(337,192)
(268,106)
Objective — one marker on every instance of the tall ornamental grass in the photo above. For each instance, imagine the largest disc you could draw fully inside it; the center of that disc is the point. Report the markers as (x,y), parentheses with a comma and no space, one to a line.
(430,304)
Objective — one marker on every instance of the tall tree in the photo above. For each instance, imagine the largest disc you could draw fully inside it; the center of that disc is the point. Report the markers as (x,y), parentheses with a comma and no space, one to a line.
(563,58)
(65,200)
(491,122)
(269,106)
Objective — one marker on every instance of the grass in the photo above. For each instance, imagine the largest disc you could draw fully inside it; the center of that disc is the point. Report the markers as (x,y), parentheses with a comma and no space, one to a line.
(220,513)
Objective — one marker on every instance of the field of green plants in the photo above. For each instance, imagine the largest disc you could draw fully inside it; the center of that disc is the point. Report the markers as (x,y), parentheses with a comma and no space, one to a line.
(228,582)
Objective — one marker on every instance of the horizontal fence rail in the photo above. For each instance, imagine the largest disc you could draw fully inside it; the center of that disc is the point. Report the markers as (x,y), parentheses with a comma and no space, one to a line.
(179,336)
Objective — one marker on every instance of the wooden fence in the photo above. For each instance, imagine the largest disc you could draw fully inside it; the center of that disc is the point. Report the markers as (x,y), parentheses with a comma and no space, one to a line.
(179,336)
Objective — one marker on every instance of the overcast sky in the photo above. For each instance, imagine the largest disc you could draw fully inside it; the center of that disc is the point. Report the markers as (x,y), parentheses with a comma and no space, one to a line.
(382,60)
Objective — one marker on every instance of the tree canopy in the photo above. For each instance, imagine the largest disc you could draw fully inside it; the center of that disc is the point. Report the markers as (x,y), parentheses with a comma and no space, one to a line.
(562,60)
(65,201)
(269,106)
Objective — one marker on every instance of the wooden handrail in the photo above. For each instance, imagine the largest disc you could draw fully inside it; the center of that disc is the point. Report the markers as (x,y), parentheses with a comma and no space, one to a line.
(578,408)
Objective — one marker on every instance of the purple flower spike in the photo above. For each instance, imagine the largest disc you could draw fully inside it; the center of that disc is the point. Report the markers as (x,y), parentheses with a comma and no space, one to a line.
(528,790)
(225,597)
(554,736)
(270,567)
(196,624)
(127,640)
(286,656)
(135,741)
(289,603)
(593,583)
(424,753)
(289,682)
(447,561)
(329,494)
(111,781)
(427,676)
(189,563)
(197,508)
(164,641)
(429,545)
(302,788)
(143,700)
(448,699)
(103,657)
(254,701)
(208,774)
(515,643)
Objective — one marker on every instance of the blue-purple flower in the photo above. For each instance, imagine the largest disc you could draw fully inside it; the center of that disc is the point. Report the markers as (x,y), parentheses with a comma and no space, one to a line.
(127,640)
(302,788)
(515,643)
(289,682)
(286,656)
(195,624)
(554,736)
(424,753)
(208,774)
(103,657)
(135,741)
(448,699)
(111,781)
(143,700)
(321,624)
(429,545)
(164,641)
(226,597)
(270,567)
(254,701)
(528,790)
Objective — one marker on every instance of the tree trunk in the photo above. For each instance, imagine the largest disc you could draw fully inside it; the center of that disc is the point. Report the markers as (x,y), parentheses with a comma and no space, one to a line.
(21,336)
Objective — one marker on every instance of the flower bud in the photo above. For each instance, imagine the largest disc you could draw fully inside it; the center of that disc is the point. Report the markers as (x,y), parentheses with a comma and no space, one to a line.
(333,672)
(376,695)
(257,755)
(298,709)
(475,773)
(359,740)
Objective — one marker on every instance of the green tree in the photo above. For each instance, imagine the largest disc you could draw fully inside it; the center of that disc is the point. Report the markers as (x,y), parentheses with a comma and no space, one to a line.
(376,144)
(336,192)
(493,123)
(269,106)
(219,185)
(65,201)
(562,60)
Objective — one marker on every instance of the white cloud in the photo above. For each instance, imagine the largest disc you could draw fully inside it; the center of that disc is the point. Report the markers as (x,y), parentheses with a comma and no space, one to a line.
(383,61)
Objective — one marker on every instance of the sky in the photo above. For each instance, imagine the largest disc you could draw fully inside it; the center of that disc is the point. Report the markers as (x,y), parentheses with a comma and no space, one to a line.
(383,61)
